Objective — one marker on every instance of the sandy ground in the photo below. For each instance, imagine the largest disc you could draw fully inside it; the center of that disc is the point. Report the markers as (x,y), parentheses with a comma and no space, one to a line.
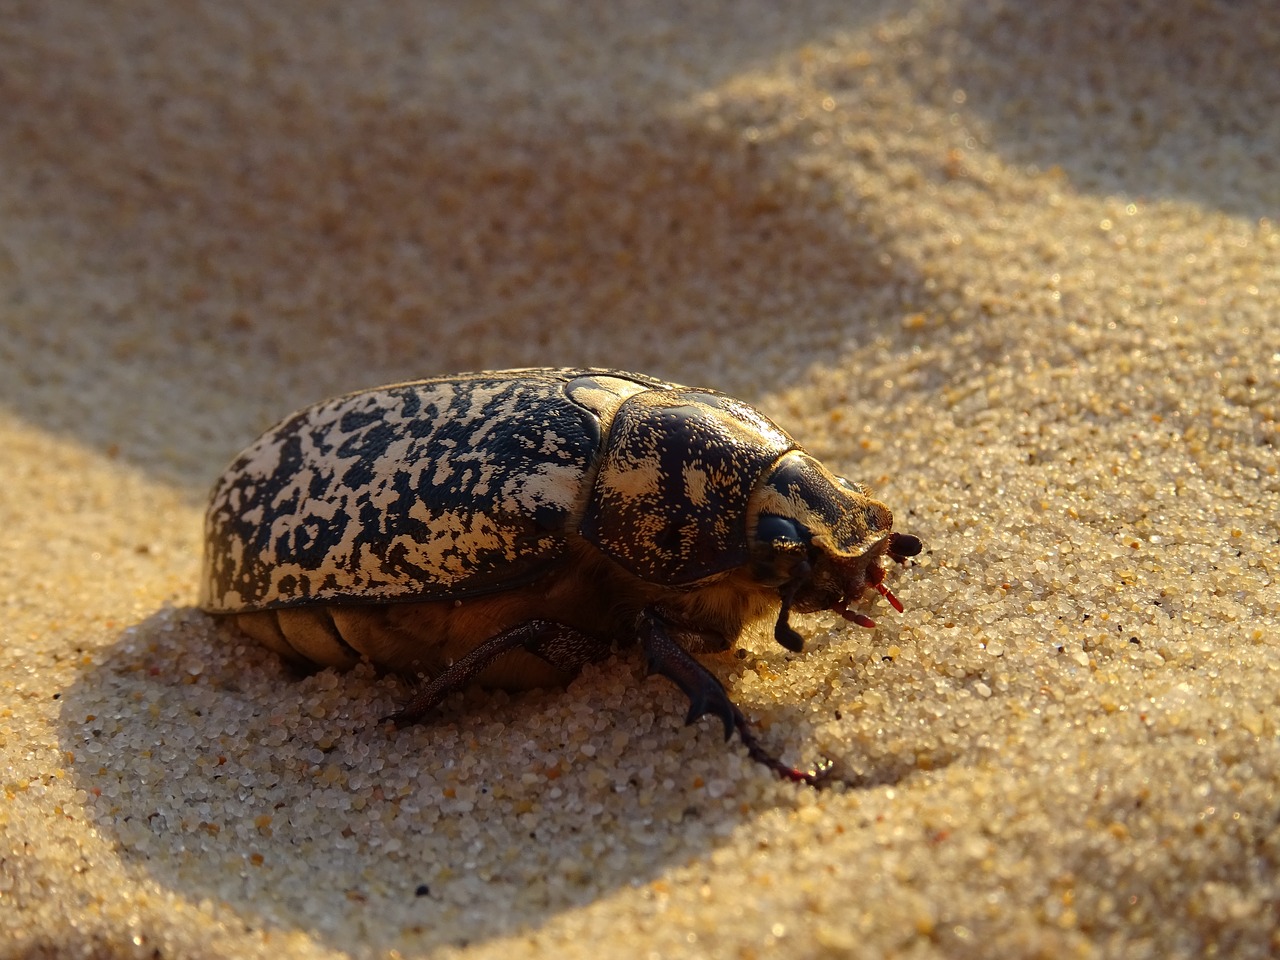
(1014,264)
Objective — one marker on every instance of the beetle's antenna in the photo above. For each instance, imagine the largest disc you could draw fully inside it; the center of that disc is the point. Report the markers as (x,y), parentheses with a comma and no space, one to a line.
(902,546)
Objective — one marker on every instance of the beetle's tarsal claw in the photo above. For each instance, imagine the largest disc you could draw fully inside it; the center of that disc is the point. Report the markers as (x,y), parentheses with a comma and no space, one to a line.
(819,777)
(666,657)
(720,705)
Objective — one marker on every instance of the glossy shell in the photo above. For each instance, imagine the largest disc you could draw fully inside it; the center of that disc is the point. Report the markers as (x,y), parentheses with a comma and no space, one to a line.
(470,485)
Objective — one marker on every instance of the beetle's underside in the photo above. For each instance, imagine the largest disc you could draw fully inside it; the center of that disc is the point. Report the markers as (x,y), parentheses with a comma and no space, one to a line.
(542,634)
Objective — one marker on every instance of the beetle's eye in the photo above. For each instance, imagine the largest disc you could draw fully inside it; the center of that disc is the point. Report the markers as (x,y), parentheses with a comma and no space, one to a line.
(846,484)
(775,529)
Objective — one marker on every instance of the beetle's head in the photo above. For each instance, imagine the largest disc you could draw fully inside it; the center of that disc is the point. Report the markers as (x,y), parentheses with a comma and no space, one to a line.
(819,540)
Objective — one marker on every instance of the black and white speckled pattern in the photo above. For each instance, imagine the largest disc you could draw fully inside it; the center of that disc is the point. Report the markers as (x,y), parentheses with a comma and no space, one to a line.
(472,485)
(424,490)
(676,477)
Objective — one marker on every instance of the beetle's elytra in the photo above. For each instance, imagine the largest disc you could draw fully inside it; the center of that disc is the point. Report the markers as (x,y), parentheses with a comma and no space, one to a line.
(507,527)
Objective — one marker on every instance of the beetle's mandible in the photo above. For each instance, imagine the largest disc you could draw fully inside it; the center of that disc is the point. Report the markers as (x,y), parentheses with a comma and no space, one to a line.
(507,527)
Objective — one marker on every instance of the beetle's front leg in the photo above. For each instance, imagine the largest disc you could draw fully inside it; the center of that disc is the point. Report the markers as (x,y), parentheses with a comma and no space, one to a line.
(666,657)
(562,646)
(707,695)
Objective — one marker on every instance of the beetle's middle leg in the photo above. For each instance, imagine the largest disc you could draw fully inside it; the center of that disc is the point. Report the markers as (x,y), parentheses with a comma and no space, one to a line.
(562,646)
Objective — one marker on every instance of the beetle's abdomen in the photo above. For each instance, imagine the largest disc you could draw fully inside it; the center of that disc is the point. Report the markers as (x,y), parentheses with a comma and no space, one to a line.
(676,475)
(426,490)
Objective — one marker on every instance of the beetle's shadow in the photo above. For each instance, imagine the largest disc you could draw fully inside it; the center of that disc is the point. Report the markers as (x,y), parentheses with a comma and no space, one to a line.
(228,779)
(339,248)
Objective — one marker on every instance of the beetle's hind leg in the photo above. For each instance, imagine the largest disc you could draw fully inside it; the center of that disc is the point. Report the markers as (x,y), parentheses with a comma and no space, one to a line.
(565,648)
(707,695)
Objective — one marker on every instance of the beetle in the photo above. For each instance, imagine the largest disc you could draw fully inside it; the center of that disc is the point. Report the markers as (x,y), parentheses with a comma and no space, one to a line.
(506,527)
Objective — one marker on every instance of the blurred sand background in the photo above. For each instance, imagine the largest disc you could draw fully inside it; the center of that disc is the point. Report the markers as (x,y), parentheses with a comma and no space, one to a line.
(1014,264)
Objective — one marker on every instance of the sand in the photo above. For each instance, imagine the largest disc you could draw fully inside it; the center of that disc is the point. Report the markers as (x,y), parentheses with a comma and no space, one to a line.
(1014,265)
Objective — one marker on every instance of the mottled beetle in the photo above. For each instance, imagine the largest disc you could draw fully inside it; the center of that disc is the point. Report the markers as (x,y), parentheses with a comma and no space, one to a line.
(507,527)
